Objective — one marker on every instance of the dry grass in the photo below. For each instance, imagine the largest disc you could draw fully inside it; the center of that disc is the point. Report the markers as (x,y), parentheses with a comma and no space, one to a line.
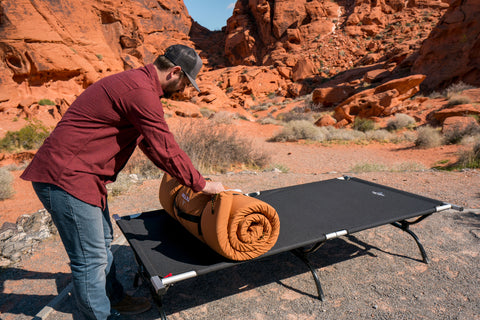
(142,167)
(299,129)
(122,184)
(457,134)
(456,89)
(470,158)
(401,167)
(401,121)
(6,184)
(428,137)
(458,99)
(218,148)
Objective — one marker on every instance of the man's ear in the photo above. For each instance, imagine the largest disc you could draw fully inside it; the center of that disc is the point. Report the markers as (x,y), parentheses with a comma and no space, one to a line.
(175,71)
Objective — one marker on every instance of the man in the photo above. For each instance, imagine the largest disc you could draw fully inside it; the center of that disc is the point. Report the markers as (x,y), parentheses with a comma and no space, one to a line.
(88,148)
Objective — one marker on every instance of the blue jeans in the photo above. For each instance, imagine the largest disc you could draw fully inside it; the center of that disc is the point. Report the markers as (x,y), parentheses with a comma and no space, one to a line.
(86,232)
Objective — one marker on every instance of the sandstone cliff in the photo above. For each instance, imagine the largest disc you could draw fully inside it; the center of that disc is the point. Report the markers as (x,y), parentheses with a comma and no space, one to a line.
(452,51)
(50,49)
(269,50)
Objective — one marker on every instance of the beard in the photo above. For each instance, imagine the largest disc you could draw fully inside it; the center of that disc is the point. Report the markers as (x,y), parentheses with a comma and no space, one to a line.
(171,89)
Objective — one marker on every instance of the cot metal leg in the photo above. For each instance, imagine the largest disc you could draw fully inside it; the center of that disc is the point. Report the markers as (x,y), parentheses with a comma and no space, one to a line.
(159,302)
(157,296)
(302,254)
(405,226)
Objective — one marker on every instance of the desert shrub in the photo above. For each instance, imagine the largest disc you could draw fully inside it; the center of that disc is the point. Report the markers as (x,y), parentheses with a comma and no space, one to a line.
(345,135)
(205,112)
(375,167)
(456,135)
(268,120)
(261,107)
(224,117)
(456,89)
(470,158)
(470,140)
(218,148)
(368,167)
(409,167)
(29,137)
(428,137)
(299,129)
(313,106)
(457,99)
(400,121)
(141,166)
(380,135)
(409,136)
(6,184)
(121,185)
(46,102)
(294,116)
(363,124)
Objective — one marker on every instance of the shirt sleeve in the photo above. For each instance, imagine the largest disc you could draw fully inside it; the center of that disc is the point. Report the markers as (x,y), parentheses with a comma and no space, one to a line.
(144,110)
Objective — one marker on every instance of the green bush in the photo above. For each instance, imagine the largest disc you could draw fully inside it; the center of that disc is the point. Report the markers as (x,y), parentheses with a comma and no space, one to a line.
(363,124)
(46,102)
(29,137)
(218,148)
(6,184)
(428,137)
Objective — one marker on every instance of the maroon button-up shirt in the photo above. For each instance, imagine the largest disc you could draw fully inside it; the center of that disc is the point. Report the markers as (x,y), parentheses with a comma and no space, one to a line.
(99,132)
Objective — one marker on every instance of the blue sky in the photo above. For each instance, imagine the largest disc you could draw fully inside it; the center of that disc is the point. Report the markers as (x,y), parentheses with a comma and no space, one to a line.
(212,14)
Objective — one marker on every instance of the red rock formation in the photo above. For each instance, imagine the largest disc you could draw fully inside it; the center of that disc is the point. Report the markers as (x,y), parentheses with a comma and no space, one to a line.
(384,100)
(456,111)
(452,51)
(270,50)
(52,48)
(262,31)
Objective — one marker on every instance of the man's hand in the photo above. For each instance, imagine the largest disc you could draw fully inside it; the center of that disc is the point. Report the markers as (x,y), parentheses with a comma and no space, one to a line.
(213,187)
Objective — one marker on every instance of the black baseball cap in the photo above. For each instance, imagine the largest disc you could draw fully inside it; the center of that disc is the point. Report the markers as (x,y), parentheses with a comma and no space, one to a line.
(187,58)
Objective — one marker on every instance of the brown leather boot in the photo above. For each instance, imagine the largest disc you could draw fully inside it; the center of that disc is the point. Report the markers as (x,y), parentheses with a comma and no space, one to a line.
(132,305)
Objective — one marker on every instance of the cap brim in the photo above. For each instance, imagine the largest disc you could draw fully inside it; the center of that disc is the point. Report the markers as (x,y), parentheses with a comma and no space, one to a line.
(192,81)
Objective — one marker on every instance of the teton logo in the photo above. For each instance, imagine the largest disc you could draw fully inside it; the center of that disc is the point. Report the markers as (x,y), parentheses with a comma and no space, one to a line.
(378,193)
(185,197)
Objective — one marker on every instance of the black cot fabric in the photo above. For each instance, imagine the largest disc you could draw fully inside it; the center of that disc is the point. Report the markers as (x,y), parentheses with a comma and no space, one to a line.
(310,211)
(163,246)
(307,213)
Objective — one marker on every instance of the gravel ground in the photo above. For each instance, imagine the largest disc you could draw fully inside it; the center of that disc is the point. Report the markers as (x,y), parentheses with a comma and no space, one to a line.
(373,274)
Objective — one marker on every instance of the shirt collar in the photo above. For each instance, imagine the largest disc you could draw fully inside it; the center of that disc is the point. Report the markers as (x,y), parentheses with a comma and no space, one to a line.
(153,71)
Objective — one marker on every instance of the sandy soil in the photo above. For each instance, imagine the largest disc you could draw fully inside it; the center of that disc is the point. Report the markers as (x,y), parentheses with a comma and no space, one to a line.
(374,274)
